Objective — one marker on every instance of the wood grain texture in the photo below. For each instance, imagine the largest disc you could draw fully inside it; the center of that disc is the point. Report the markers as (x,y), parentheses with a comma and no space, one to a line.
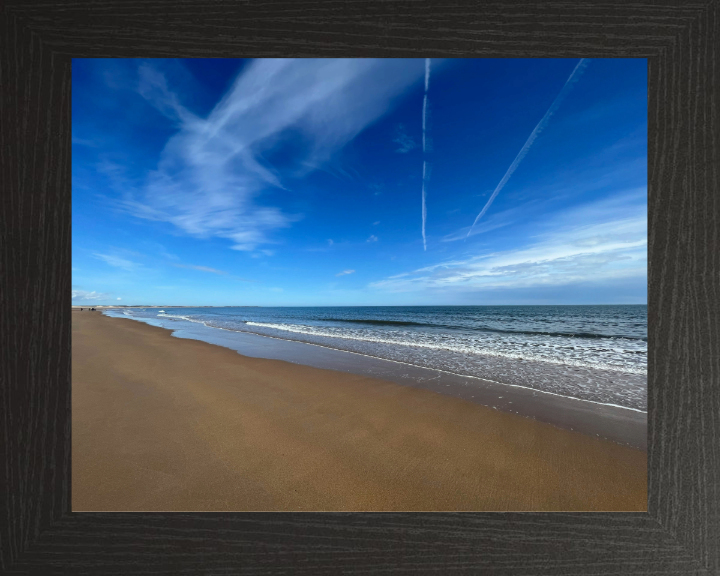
(679,535)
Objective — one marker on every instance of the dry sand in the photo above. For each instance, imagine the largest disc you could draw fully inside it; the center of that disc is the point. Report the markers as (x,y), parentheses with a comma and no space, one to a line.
(161,423)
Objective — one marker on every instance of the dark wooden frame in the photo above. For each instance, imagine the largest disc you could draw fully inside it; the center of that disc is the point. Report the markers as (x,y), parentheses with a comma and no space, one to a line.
(681,532)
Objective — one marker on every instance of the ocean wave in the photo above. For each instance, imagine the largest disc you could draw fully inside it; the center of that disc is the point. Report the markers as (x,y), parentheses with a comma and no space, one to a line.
(539,352)
(566,334)
(178,317)
(591,335)
(381,322)
(446,345)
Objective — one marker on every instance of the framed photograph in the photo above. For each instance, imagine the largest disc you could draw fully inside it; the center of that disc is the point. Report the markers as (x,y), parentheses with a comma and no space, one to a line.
(360,290)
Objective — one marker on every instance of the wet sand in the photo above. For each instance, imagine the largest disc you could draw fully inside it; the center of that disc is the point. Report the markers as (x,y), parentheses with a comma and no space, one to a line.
(163,423)
(621,425)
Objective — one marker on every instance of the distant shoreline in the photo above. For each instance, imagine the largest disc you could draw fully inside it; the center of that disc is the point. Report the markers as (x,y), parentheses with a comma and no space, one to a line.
(105,307)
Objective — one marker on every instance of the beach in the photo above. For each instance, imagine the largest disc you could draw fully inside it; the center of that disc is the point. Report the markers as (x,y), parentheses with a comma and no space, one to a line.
(161,423)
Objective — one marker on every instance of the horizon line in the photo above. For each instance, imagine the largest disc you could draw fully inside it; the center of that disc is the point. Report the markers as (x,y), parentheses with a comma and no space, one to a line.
(332,306)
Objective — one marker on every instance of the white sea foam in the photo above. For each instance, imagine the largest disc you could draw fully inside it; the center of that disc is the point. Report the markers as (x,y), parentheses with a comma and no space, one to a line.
(571,371)
(449,343)
(182,318)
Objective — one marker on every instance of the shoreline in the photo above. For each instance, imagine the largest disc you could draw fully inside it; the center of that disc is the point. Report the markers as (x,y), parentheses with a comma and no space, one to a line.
(620,424)
(173,424)
(124,306)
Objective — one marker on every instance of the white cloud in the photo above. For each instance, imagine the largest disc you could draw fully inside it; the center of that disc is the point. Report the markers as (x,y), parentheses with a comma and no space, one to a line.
(372,238)
(119,298)
(117,262)
(211,173)
(345,272)
(497,220)
(82,295)
(201,268)
(153,87)
(610,249)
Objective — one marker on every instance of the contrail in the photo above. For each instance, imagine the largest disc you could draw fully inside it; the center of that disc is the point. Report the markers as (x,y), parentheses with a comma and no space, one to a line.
(533,135)
(424,210)
(424,116)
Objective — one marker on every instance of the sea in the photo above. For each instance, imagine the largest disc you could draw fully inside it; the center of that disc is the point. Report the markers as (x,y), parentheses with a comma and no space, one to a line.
(594,353)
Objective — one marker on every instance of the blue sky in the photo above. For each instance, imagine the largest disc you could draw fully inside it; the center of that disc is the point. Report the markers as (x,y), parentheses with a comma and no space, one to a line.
(300,182)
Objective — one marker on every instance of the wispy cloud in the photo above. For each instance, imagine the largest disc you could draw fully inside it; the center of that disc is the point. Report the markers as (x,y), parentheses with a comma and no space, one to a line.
(212,173)
(372,238)
(344,272)
(153,87)
(85,295)
(533,135)
(403,140)
(201,268)
(161,250)
(213,271)
(117,262)
(499,220)
(614,246)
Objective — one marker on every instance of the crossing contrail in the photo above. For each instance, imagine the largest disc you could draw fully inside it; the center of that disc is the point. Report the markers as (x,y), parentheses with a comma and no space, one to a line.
(533,135)
(424,117)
